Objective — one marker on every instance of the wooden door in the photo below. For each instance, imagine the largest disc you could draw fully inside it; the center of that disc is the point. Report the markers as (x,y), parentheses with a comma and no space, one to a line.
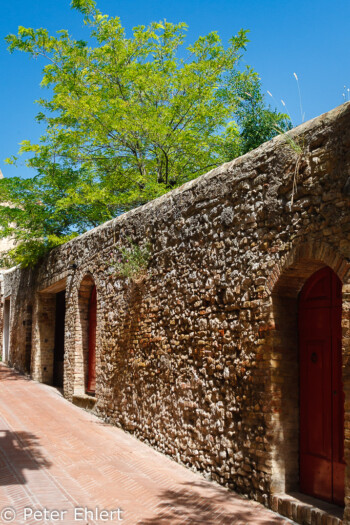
(92,343)
(321,392)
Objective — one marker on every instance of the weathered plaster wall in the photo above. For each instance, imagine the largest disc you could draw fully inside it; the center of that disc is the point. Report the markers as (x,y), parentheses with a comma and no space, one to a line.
(201,359)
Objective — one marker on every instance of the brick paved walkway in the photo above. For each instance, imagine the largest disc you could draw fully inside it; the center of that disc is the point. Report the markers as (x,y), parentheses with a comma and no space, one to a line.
(56,456)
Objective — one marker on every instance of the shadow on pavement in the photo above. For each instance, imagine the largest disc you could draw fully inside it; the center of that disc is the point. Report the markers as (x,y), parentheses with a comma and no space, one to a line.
(10,374)
(199,503)
(19,451)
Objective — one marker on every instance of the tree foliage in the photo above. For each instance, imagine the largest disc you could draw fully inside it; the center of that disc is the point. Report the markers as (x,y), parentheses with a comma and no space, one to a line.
(127,119)
(257,123)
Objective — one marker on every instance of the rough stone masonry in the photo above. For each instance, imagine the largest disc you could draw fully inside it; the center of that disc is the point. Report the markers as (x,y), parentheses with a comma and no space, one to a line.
(200,357)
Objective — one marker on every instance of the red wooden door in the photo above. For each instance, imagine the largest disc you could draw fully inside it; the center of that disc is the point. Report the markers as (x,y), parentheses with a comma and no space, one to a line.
(322,464)
(92,343)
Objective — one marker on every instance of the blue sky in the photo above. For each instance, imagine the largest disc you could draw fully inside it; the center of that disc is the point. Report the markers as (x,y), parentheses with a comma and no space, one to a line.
(308,37)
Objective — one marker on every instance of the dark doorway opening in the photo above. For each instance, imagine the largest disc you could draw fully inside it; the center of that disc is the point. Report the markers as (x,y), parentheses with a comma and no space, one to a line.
(322,466)
(59,339)
(28,335)
(91,385)
(6,336)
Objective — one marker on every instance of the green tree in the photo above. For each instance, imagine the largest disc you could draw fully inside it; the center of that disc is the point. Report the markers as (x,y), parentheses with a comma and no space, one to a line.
(257,123)
(128,119)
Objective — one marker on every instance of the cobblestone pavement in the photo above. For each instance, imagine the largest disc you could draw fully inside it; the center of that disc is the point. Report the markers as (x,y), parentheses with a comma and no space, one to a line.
(63,463)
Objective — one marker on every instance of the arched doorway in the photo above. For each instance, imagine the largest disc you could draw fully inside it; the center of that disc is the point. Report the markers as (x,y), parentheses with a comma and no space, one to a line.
(85,341)
(322,464)
(91,383)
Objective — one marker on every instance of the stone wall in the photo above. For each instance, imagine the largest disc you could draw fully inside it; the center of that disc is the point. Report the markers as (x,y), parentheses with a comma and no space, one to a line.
(200,359)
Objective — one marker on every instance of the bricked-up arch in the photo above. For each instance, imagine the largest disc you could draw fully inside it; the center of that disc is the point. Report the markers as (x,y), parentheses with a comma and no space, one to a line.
(82,335)
(285,284)
(45,317)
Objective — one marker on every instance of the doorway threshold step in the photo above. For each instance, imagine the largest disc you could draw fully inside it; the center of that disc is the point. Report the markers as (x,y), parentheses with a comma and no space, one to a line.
(306,510)
(84,401)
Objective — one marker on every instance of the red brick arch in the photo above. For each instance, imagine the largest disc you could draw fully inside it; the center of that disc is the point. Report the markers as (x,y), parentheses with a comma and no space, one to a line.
(289,275)
(280,334)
